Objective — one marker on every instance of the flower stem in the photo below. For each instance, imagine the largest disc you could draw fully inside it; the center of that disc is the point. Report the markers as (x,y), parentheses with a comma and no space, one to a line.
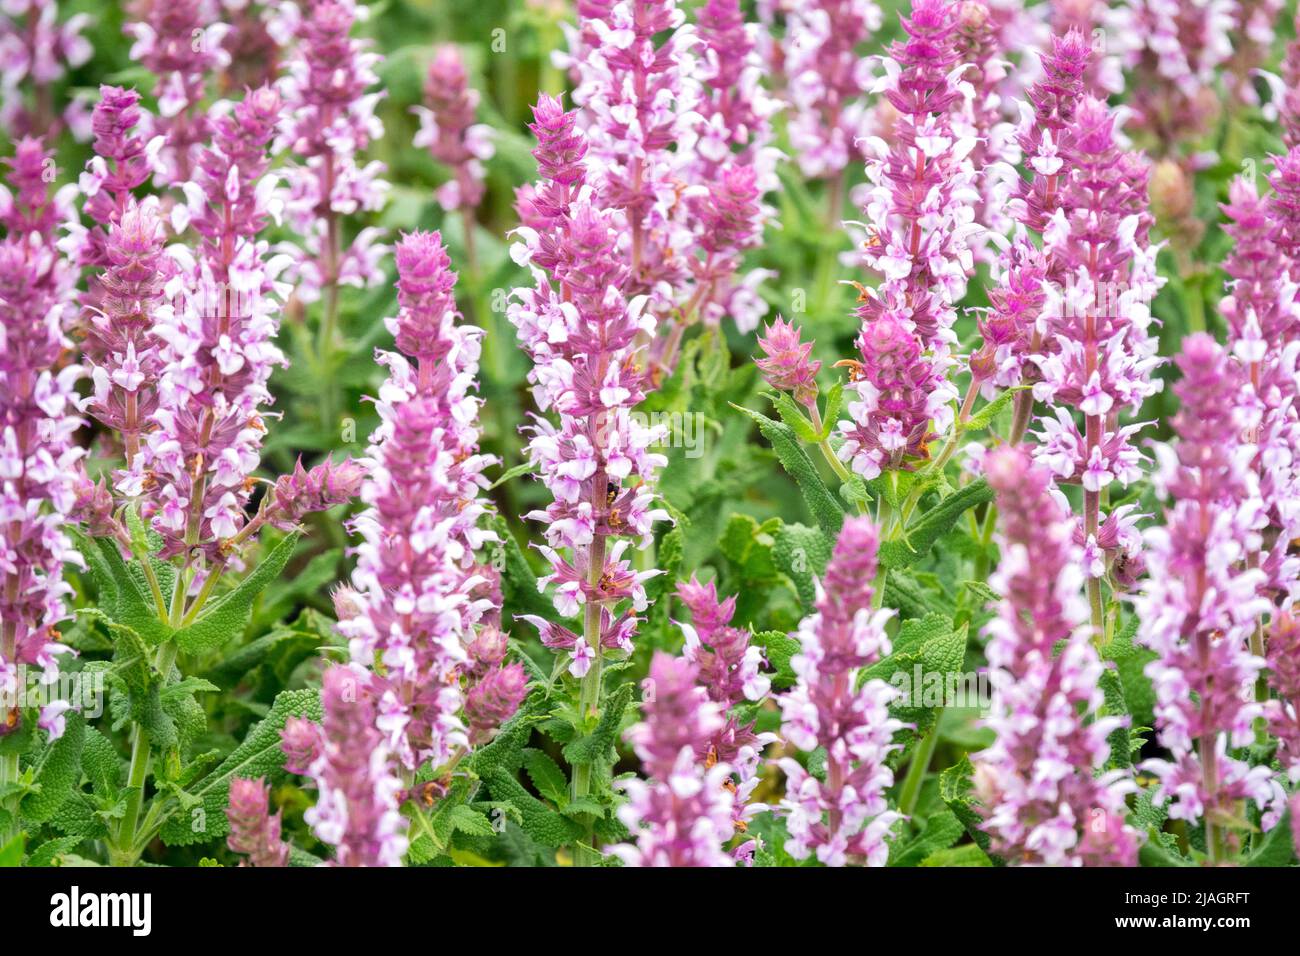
(910,794)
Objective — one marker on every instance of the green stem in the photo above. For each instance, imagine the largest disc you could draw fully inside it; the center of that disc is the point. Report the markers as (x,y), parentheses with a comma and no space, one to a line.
(125,851)
(589,700)
(884,518)
(837,466)
(160,603)
(916,770)
(1024,408)
(986,538)
(9,774)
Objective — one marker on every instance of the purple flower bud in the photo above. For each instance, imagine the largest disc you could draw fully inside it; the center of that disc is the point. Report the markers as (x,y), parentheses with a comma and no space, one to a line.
(304,492)
(900,390)
(788,366)
(254,832)
(424,291)
(493,700)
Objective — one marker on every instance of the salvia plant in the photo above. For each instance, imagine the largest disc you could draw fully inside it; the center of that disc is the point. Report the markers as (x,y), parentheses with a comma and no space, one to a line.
(649,433)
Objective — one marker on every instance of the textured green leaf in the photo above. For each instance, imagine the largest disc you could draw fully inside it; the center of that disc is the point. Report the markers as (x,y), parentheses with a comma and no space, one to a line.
(793,417)
(291,641)
(546,826)
(137,683)
(1154,853)
(941,831)
(467,820)
(825,509)
(1130,664)
(77,818)
(930,647)
(227,616)
(547,777)
(258,756)
(1115,707)
(802,554)
(955,790)
(983,418)
(934,524)
(505,751)
(904,592)
(599,744)
(49,853)
(101,764)
(1277,847)
(778,648)
(123,597)
(831,413)
(57,772)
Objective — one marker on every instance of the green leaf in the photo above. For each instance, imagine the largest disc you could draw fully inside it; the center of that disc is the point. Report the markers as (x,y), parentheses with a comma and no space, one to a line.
(546,826)
(1155,853)
(258,756)
(926,652)
(284,642)
(984,417)
(101,764)
(134,676)
(227,616)
(56,772)
(904,592)
(1130,664)
(527,468)
(547,777)
(49,853)
(518,581)
(968,854)
(123,597)
(802,553)
(778,648)
(933,525)
(834,399)
(598,746)
(470,821)
(1277,847)
(1120,755)
(941,831)
(825,509)
(955,789)
(505,750)
(794,417)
